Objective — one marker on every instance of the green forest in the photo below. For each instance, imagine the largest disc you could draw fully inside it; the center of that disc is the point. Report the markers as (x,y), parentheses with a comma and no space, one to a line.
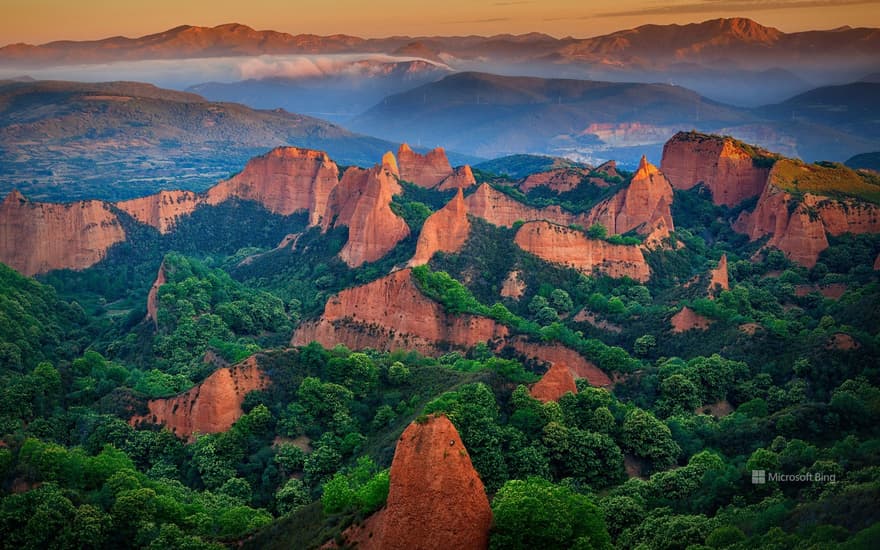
(782,381)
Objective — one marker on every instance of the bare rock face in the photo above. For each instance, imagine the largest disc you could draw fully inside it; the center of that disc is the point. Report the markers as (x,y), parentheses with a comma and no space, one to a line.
(426,170)
(392,313)
(723,166)
(499,209)
(436,500)
(569,247)
(688,319)
(798,227)
(557,354)
(445,230)
(560,180)
(284,180)
(390,163)
(877,263)
(153,296)
(362,202)
(644,205)
(212,406)
(513,286)
(39,237)
(461,178)
(555,383)
(163,209)
(718,279)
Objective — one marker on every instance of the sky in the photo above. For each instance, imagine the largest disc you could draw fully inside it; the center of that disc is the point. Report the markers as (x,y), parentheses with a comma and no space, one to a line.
(40,21)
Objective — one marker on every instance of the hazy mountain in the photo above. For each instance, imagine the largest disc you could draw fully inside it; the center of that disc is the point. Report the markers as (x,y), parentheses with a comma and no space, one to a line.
(65,140)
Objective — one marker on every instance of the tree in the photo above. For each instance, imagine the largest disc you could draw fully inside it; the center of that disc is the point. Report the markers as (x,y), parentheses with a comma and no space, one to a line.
(644,344)
(561,301)
(597,231)
(291,496)
(679,395)
(647,437)
(398,374)
(538,514)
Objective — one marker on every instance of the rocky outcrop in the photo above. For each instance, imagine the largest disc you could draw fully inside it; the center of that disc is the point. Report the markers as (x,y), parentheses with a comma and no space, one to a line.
(284,180)
(560,180)
(688,319)
(514,286)
(362,202)
(555,383)
(426,170)
(392,313)
(557,354)
(833,290)
(877,263)
(718,279)
(842,341)
(436,500)
(210,407)
(153,296)
(499,209)
(644,205)
(39,237)
(461,178)
(163,209)
(798,225)
(445,230)
(726,167)
(572,248)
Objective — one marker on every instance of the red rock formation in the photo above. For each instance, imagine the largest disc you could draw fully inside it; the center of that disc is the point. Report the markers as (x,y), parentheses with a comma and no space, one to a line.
(833,290)
(513,286)
(799,228)
(153,296)
(718,279)
(390,163)
(569,247)
(461,178)
(445,230)
(608,167)
(877,263)
(426,170)
(559,180)
(842,341)
(39,237)
(644,205)
(719,163)
(436,499)
(586,316)
(555,383)
(362,202)
(557,354)
(392,313)
(499,209)
(163,209)
(210,407)
(284,180)
(688,319)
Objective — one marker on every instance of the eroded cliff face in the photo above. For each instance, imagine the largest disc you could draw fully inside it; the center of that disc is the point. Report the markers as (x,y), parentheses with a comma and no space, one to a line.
(718,278)
(39,237)
(210,407)
(426,170)
(569,247)
(644,206)
(514,286)
(362,202)
(688,319)
(445,230)
(553,354)
(163,209)
(462,178)
(555,383)
(719,163)
(392,313)
(798,226)
(560,180)
(153,296)
(436,500)
(499,209)
(284,180)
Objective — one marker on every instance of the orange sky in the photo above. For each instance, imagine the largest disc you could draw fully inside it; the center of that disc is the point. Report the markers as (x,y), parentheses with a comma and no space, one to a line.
(39,21)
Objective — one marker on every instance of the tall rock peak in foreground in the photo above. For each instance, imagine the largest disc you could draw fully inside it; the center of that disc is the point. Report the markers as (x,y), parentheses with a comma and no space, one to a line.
(436,500)
(555,383)
(731,170)
(446,230)
(718,277)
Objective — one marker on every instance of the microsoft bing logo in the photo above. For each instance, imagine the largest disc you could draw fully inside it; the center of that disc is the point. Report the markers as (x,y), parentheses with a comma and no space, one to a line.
(759,477)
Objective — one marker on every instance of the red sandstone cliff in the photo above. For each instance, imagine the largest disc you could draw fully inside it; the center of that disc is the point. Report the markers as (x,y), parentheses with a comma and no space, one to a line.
(720,163)
(555,383)
(644,205)
(557,354)
(284,180)
(39,237)
(499,209)
(426,170)
(559,180)
(445,230)
(718,279)
(392,313)
(461,178)
(153,295)
(362,202)
(436,500)
(569,247)
(688,319)
(163,209)
(514,286)
(210,407)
